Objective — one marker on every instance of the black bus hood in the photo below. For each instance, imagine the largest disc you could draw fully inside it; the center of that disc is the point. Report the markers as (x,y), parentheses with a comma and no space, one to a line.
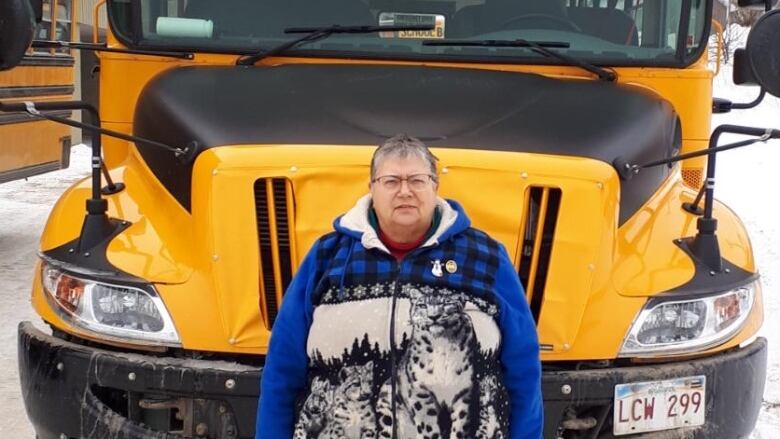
(364,104)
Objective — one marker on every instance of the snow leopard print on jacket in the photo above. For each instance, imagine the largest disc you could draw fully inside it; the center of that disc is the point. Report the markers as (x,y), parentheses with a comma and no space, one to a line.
(352,414)
(436,372)
(412,348)
(313,415)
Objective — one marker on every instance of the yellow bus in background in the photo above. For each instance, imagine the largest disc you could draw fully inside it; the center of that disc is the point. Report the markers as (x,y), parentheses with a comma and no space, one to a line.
(31,146)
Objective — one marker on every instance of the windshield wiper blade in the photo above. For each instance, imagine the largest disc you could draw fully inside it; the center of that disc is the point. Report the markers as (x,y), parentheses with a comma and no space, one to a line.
(540,47)
(318,33)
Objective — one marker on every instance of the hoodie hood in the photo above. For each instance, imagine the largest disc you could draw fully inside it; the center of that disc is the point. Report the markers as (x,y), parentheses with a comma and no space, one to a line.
(355,223)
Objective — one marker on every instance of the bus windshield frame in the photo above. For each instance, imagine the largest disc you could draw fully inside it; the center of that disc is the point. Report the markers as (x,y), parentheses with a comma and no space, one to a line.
(593,29)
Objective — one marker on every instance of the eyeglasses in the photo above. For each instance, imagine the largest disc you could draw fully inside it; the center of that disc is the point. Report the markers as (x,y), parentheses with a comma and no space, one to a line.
(416,182)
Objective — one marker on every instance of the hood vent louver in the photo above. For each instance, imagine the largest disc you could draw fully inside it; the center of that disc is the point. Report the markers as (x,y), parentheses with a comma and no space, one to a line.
(275,210)
(540,217)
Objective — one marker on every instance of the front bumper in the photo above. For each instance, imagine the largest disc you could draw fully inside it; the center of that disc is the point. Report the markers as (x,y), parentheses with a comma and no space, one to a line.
(84,392)
(735,388)
(76,391)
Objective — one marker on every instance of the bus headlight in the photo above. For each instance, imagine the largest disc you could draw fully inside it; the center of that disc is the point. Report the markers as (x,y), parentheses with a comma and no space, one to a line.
(674,326)
(120,312)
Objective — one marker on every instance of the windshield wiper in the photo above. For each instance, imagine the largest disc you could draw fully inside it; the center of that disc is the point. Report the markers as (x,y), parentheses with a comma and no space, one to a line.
(318,33)
(540,47)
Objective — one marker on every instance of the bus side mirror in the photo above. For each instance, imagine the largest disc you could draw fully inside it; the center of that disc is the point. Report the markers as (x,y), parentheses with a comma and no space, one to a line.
(743,71)
(759,63)
(17,27)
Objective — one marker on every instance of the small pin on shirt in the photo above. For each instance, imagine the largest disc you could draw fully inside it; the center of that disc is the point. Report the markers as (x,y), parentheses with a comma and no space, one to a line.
(436,270)
(451,266)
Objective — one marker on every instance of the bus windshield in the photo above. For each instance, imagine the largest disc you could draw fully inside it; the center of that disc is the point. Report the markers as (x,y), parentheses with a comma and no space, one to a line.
(604,32)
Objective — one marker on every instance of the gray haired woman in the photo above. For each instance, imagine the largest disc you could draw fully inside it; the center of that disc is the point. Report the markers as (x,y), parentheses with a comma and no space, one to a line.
(404,322)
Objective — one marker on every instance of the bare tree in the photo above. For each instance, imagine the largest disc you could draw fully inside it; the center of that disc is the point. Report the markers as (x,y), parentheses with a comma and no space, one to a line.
(735,31)
(744,16)
(733,37)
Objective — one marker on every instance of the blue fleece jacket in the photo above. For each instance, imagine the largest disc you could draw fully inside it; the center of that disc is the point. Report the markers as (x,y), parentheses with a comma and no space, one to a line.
(448,326)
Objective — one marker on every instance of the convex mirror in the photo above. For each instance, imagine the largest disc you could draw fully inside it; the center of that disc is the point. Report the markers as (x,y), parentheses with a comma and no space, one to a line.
(17,27)
(763,51)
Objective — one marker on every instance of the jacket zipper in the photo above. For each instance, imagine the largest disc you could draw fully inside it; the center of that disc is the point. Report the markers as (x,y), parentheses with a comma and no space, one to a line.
(393,363)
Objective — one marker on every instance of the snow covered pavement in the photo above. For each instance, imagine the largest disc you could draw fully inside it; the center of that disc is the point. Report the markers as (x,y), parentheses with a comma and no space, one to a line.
(24,208)
(745,182)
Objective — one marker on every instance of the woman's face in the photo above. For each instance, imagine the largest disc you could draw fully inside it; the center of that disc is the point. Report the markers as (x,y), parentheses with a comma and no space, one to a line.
(410,205)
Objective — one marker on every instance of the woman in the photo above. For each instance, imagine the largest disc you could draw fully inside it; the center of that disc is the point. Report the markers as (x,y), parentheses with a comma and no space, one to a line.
(403,299)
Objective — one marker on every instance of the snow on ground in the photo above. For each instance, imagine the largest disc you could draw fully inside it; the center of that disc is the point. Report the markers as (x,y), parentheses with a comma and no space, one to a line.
(744,183)
(24,207)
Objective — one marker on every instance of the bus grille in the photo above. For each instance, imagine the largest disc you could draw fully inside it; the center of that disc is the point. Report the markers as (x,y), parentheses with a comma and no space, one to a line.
(540,216)
(275,208)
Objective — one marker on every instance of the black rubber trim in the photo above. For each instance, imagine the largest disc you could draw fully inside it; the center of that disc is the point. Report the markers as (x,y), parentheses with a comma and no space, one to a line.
(706,282)
(46,90)
(48,61)
(93,264)
(12,118)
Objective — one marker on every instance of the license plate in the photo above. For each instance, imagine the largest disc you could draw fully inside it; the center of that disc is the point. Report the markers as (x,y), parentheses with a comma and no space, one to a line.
(659,405)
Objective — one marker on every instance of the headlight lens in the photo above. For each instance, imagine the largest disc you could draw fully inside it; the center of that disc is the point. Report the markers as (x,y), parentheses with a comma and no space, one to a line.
(125,313)
(666,327)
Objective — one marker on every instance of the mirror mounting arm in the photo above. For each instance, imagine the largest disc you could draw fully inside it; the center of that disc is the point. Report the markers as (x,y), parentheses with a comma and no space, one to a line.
(752,104)
(720,105)
(97,228)
(704,246)
(34,109)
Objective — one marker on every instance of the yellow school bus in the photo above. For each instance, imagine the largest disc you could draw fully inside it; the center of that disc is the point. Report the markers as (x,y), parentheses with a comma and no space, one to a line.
(569,130)
(31,146)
